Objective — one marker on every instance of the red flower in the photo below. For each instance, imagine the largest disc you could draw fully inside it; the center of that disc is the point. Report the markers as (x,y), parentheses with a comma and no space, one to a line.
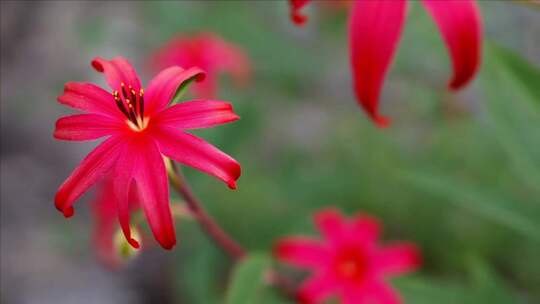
(140,130)
(208,52)
(348,263)
(375,28)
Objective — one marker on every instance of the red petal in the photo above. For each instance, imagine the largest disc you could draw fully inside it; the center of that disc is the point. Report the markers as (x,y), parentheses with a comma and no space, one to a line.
(374,31)
(316,289)
(331,224)
(302,252)
(195,152)
(153,188)
(296,6)
(123,178)
(378,292)
(163,87)
(86,127)
(90,170)
(397,259)
(366,228)
(460,24)
(117,70)
(197,114)
(89,98)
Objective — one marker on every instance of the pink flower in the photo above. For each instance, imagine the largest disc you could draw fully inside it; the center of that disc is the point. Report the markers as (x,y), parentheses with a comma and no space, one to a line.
(374,31)
(141,129)
(208,52)
(348,263)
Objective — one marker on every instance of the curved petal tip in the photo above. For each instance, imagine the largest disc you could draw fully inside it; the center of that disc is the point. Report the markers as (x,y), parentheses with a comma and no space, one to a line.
(133,242)
(381,121)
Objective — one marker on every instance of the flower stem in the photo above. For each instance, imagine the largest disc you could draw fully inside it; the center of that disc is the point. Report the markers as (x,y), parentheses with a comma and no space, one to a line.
(222,239)
(207,223)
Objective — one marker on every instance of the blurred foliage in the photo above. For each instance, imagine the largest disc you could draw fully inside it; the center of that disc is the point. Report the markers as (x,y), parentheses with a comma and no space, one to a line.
(459,174)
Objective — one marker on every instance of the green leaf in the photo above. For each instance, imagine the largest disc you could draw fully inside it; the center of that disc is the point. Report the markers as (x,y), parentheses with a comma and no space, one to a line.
(512,113)
(489,287)
(523,70)
(247,281)
(491,207)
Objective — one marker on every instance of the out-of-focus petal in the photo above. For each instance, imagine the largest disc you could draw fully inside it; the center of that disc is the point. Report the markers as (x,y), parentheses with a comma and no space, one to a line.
(374,31)
(302,252)
(397,259)
(460,24)
(195,152)
(331,224)
(380,293)
(233,59)
(90,98)
(117,70)
(86,127)
(164,86)
(316,289)
(105,218)
(296,16)
(197,114)
(91,169)
(152,184)
(365,228)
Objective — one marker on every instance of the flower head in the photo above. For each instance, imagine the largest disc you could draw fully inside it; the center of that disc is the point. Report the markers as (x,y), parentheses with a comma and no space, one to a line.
(209,52)
(141,128)
(374,31)
(348,262)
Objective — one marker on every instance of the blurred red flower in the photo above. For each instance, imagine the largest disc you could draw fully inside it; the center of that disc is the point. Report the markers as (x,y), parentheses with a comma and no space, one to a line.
(375,28)
(348,263)
(209,52)
(141,130)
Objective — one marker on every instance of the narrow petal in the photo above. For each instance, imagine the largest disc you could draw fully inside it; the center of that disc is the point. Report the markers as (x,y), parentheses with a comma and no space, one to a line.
(195,152)
(374,31)
(366,228)
(117,71)
(331,224)
(153,189)
(90,98)
(397,259)
(380,293)
(316,289)
(164,86)
(296,5)
(86,127)
(206,89)
(197,114)
(122,182)
(302,252)
(460,24)
(90,170)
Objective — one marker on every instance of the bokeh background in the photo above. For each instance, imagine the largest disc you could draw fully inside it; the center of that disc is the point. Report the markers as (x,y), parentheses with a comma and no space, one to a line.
(459,174)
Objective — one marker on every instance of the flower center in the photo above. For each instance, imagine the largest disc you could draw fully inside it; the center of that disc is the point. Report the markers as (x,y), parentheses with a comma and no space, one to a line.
(131,104)
(351,265)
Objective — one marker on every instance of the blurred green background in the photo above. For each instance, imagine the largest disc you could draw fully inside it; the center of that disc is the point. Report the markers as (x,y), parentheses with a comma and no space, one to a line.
(458,174)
